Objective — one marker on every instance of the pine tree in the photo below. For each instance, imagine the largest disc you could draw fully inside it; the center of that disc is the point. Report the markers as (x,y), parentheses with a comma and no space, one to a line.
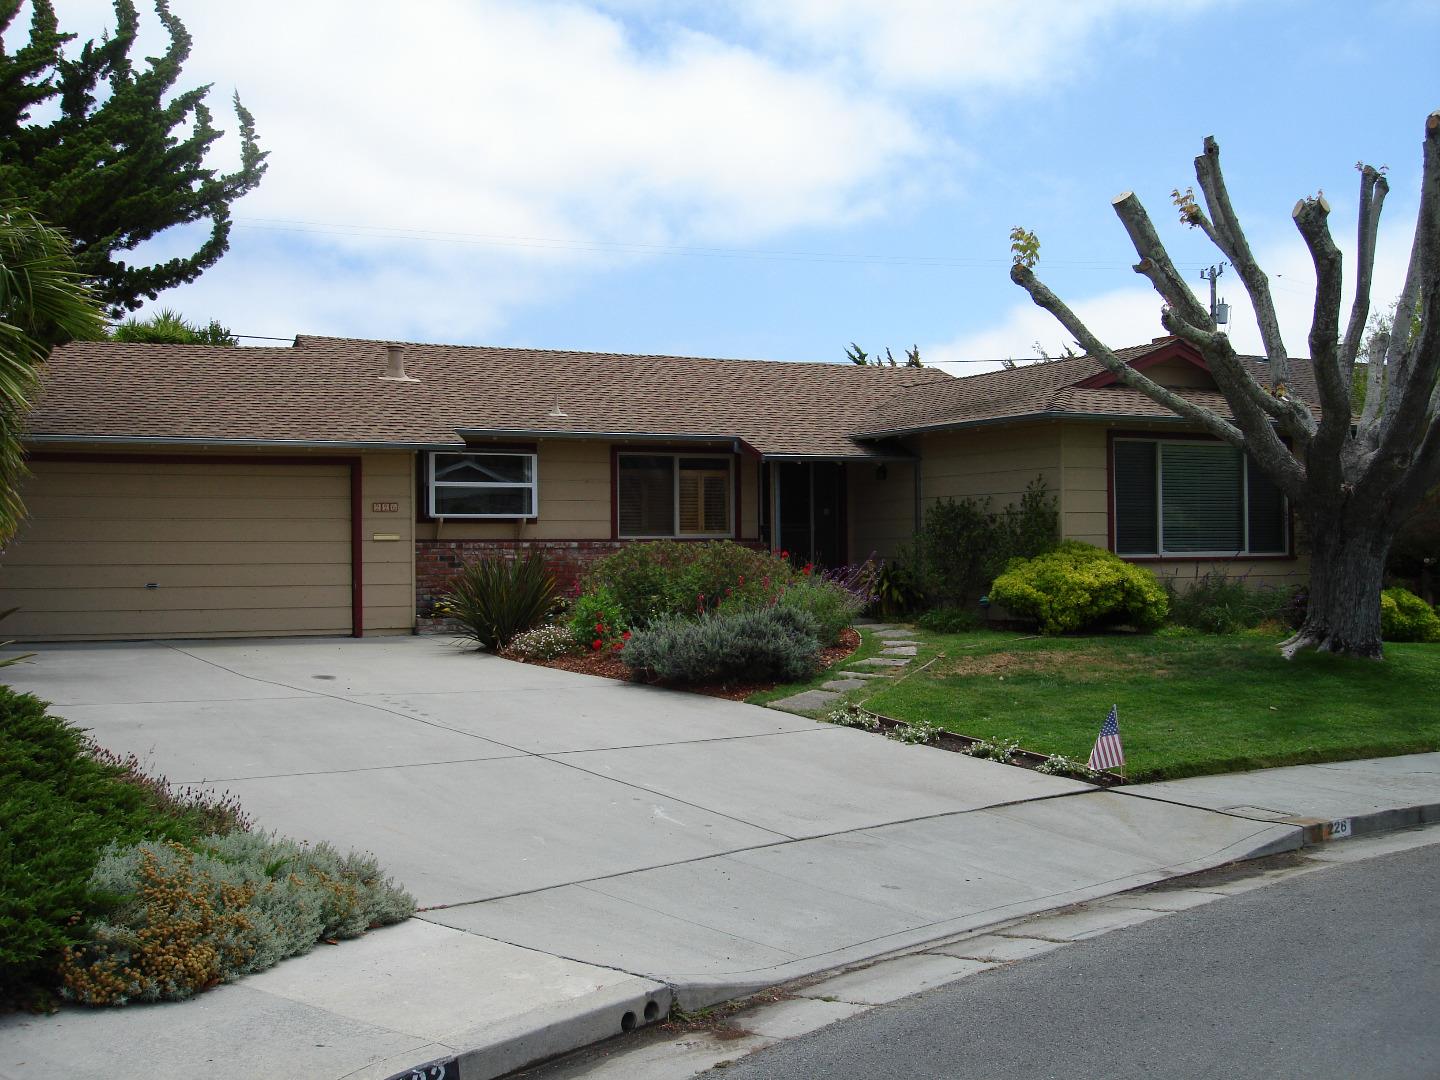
(120,163)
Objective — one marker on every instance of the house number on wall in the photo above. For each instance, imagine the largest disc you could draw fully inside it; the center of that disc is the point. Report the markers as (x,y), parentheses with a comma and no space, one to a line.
(385,508)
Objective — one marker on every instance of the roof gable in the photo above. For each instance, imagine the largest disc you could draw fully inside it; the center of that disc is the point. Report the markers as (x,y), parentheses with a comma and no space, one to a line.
(1173,352)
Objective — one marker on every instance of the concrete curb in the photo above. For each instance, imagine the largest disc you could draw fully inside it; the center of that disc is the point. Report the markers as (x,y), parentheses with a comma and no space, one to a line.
(548,1033)
(605,1016)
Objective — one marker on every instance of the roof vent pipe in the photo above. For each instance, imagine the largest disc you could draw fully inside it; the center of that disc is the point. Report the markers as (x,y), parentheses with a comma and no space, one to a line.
(395,364)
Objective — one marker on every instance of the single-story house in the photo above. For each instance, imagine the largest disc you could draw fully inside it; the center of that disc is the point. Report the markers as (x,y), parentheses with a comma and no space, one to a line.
(335,485)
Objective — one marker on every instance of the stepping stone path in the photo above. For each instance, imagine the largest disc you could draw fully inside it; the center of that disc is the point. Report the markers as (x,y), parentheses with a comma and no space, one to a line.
(899,647)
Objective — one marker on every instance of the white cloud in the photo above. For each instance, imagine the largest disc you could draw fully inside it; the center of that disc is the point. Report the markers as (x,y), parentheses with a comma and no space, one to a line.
(1120,317)
(940,45)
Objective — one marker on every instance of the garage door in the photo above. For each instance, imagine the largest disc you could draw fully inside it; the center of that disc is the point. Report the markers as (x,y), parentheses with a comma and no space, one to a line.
(179,549)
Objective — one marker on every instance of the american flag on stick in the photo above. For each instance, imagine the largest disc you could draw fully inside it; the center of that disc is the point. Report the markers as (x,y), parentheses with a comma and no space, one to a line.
(1108,753)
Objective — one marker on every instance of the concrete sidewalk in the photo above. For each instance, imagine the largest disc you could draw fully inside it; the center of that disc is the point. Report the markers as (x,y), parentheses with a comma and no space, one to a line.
(587,851)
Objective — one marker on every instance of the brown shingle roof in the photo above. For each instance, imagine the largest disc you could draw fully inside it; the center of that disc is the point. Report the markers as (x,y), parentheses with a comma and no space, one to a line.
(328,390)
(1048,389)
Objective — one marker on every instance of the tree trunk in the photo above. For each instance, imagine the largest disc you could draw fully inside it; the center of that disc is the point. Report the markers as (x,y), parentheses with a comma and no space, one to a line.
(1347,567)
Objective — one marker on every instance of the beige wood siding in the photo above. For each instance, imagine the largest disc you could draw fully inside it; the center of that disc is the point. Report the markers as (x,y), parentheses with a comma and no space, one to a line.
(1085,515)
(389,565)
(253,548)
(998,462)
(574,489)
(574,504)
(881,513)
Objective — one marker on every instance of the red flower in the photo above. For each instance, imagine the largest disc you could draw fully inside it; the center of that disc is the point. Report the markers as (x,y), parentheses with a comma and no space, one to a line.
(626,635)
(599,627)
(807,568)
(784,554)
(742,579)
(597,644)
(618,646)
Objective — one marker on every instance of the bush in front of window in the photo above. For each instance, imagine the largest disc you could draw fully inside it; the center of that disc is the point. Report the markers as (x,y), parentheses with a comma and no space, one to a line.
(495,599)
(1080,587)
(1216,603)
(749,645)
(671,577)
(1406,617)
(964,543)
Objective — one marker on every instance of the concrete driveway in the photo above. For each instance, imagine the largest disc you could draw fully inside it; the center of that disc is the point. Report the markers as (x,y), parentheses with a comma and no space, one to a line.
(710,844)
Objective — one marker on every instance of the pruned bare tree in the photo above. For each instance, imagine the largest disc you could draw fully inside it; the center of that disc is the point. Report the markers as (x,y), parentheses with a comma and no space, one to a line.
(1350,479)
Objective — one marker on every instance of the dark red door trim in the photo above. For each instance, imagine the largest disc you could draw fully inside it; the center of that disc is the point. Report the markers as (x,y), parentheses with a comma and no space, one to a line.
(353,462)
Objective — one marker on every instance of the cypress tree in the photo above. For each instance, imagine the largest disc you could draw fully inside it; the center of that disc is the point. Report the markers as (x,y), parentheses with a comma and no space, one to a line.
(113,158)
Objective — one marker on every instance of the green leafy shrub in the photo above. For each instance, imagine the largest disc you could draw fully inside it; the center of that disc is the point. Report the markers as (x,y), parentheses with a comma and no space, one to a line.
(1406,617)
(1218,604)
(597,621)
(963,544)
(898,590)
(672,577)
(495,599)
(542,643)
(62,802)
(950,620)
(750,644)
(183,920)
(1079,586)
(832,607)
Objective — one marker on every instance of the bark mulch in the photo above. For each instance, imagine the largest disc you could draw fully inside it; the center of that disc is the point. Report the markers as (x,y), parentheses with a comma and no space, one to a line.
(609,666)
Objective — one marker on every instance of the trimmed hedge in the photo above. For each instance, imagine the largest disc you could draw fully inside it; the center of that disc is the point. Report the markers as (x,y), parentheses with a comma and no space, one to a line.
(1406,617)
(1079,586)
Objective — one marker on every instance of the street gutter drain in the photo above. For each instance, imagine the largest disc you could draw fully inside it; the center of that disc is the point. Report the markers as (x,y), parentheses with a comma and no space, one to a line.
(627,1022)
(652,1010)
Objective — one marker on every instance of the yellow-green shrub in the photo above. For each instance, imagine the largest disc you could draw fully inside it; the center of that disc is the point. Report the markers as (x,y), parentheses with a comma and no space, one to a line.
(1078,586)
(1406,617)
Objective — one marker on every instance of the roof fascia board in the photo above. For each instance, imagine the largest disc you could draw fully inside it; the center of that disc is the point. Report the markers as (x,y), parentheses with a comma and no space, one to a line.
(202,441)
(1026,418)
(467,434)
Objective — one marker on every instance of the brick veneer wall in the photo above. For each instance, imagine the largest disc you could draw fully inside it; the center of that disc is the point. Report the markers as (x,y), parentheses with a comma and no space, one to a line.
(437,561)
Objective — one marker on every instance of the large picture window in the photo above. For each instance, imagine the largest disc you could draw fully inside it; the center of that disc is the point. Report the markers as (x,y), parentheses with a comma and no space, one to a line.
(674,495)
(1176,497)
(494,485)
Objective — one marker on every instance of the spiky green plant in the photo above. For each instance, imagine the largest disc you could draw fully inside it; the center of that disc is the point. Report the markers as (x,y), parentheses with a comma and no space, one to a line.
(495,599)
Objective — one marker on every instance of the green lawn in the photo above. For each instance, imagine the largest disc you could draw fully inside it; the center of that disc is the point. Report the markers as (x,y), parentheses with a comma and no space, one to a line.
(1188,705)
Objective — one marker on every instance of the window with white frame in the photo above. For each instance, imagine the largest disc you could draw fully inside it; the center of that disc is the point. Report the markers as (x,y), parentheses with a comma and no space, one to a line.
(500,484)
(1191,498)
(674,495)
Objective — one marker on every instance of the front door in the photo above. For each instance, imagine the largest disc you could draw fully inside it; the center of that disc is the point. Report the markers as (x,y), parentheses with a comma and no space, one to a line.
(809,511)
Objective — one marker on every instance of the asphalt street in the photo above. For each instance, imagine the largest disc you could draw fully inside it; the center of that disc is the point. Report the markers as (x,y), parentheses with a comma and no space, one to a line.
(1330,974)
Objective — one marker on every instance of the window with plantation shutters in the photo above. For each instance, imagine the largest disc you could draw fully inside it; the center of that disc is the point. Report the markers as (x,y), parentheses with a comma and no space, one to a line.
(1190,498)
(674,495)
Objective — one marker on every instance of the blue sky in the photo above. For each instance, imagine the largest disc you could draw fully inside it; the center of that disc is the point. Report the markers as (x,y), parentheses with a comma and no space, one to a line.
(775,179)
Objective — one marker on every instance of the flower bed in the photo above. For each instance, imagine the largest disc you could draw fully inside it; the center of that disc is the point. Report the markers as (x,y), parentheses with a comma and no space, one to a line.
(608,665)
